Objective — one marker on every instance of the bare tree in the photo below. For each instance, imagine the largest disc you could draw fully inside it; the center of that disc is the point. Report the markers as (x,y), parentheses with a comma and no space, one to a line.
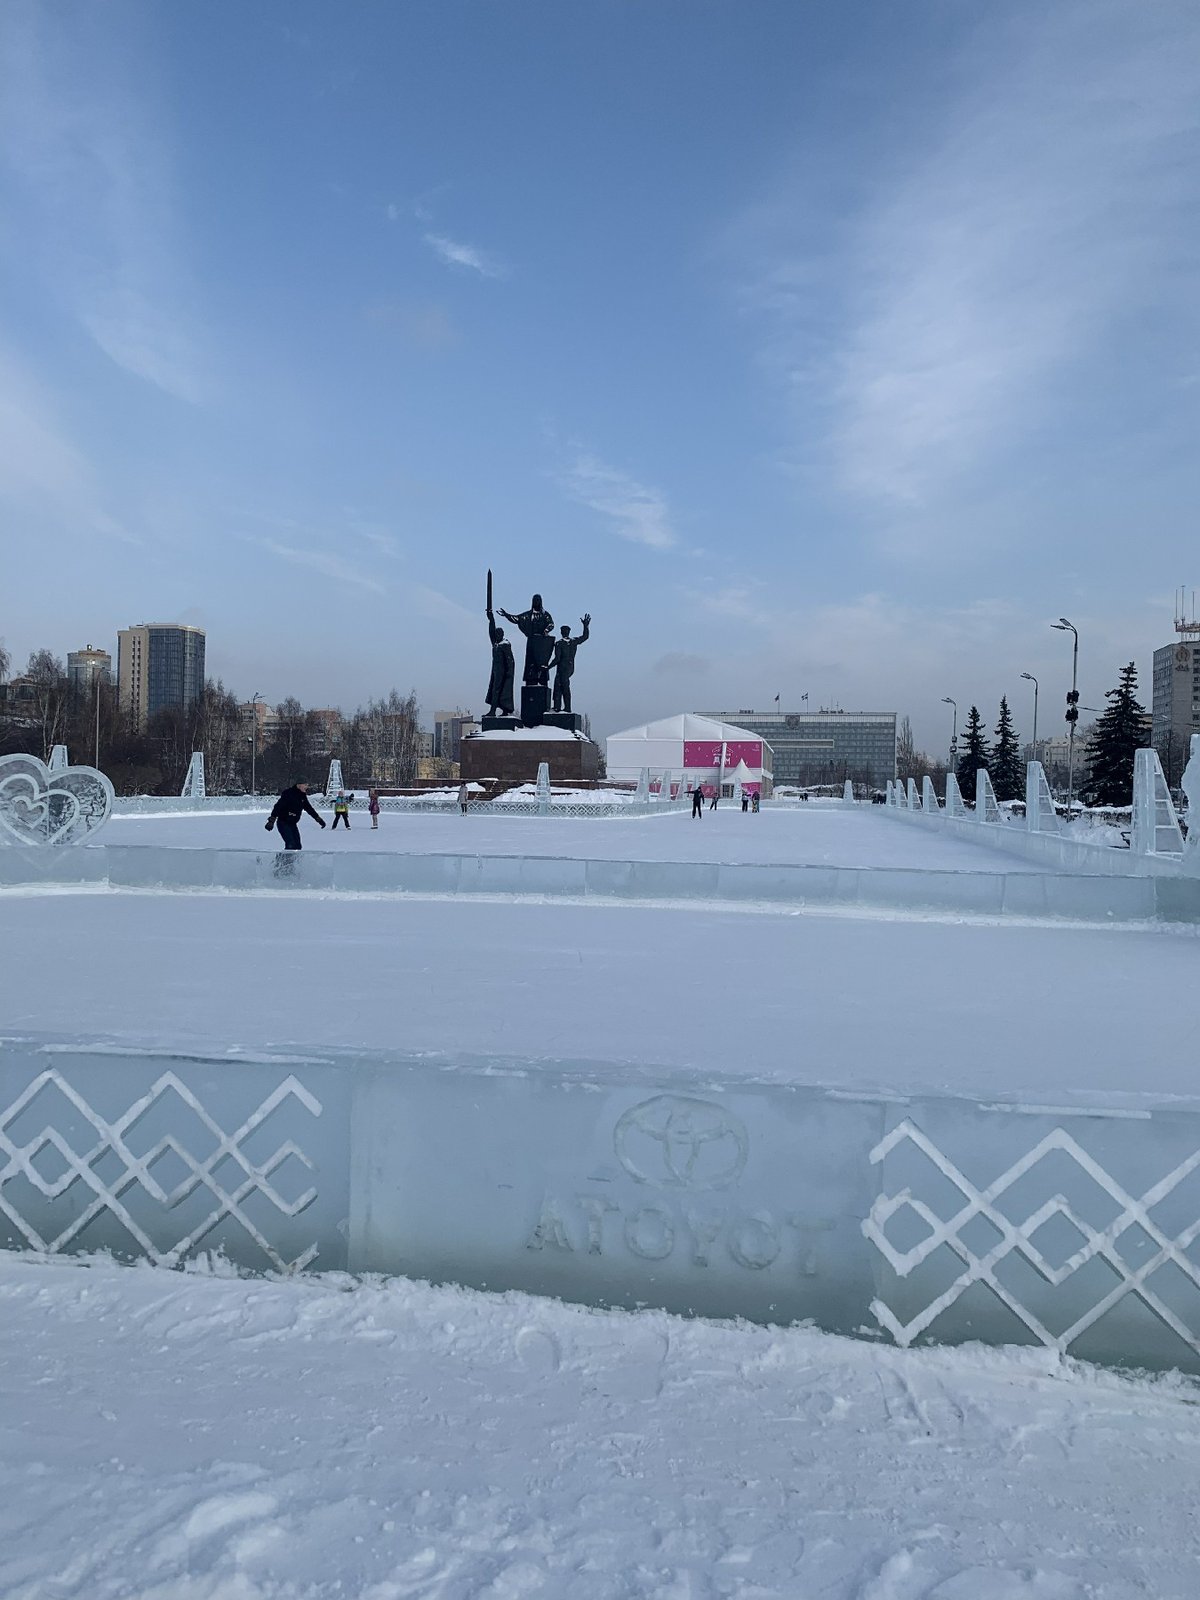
(382,742)
(49,698)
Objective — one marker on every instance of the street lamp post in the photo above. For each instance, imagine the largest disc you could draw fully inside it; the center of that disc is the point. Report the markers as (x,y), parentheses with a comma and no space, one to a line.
(1029,678)
(96,763)
(947,701)
(254,699)
(1063,626)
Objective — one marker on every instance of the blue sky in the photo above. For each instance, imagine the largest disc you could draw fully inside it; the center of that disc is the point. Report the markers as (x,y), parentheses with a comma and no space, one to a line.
(829,348)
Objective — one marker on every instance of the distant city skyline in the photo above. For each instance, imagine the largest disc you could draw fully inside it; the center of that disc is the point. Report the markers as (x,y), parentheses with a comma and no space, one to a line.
(812,349)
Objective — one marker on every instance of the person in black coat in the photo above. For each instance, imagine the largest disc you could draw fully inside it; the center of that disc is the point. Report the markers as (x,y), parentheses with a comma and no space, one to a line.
(286,814)
(697,801)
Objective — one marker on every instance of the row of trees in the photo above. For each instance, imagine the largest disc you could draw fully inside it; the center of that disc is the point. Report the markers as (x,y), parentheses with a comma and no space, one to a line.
(1106,752)
(378,744)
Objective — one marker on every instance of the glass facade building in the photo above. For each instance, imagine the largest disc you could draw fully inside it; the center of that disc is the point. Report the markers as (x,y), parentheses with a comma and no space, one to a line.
(159,665)
(818,747)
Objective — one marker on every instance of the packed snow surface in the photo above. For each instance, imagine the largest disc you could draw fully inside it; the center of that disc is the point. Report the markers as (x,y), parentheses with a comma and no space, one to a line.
(844,1000)
(818,836)
(181,1437)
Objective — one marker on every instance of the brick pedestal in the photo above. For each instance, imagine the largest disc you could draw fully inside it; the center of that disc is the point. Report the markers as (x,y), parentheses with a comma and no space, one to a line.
(517,760)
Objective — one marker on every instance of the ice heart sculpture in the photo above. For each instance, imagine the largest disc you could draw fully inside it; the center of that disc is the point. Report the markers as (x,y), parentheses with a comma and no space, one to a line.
(38,806)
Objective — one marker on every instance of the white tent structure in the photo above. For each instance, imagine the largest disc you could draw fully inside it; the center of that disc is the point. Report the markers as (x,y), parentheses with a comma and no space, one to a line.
(704,751)
(742,779)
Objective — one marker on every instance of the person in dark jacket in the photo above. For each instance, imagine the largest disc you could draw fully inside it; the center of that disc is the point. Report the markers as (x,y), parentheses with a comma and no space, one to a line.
(697,801)
(286,814)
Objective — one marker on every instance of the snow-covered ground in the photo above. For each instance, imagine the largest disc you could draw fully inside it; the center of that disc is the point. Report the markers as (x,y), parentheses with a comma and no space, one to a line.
(818,836)
(181,1437)
(833,999)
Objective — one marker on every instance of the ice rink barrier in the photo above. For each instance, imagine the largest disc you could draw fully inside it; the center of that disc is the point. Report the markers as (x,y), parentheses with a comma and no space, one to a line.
(1084,896)
(912,1217)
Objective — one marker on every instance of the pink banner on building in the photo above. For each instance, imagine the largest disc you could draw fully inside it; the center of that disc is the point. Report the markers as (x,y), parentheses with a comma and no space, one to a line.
(707,753)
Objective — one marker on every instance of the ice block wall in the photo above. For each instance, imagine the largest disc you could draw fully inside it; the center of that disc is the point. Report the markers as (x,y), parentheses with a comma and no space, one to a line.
(931,1217)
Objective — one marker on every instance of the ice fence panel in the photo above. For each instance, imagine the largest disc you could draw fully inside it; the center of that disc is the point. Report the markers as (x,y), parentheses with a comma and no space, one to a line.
(162,1157)
(927,1217)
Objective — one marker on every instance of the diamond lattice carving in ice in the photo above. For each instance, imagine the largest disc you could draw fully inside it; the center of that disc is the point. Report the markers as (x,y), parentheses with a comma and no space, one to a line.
(168,1173)
(1020,1239)
(43,807)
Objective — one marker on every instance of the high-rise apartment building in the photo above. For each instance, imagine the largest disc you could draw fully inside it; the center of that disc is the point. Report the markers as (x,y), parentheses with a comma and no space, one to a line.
(818,747)
(1175,714)
(159,665)
(84,667)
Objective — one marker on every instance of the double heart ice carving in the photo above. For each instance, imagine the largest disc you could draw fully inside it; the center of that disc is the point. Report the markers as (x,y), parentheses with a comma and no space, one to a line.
(40,807)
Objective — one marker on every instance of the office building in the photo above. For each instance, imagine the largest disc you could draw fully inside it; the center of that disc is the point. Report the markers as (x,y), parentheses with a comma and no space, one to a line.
(819,747)
(1175,707)
(159,666)
(86,667)
(450,728)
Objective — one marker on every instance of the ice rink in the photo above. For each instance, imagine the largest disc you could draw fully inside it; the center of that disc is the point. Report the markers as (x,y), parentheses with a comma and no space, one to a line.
(893,1001)
(815,836)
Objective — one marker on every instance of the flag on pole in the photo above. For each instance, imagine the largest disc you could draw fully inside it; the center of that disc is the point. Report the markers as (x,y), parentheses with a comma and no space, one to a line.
(776,699)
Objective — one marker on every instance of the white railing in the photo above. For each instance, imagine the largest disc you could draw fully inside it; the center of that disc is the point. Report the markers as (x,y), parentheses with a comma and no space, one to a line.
(1157,845)
(604,805)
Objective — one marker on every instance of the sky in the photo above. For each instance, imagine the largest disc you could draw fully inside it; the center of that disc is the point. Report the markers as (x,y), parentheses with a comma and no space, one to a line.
(828,348)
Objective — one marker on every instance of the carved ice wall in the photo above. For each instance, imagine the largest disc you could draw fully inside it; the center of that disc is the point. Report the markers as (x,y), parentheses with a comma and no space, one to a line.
(937,1217)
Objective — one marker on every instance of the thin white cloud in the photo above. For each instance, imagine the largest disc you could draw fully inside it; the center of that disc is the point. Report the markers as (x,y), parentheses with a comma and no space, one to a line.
(1050,201)
(324,563)
(634,510)
(45,479)
(78,132)
(456,254)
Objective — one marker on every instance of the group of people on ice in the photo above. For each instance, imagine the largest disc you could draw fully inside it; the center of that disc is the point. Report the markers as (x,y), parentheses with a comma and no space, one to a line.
(294,802)
(749,800)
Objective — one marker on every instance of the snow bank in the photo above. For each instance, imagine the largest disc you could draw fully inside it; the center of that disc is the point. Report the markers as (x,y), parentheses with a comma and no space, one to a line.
(542,734)
(202,1438)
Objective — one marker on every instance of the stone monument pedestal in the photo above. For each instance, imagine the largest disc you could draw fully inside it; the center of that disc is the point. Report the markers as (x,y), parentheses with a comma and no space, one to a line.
(516,759)
(535,702)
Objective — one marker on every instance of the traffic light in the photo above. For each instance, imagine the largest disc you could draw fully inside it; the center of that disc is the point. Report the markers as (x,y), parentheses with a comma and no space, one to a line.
(1073,705)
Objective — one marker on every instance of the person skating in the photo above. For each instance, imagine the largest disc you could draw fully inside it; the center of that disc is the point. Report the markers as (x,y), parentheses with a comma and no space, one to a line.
(341,811)
(373,807)
(745,801)
(716,794)
(754,802)
(697,801)
(286,814)
(464,796)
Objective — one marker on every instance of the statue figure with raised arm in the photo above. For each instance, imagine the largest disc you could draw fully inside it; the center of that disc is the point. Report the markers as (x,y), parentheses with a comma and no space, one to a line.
(499,699)
(538,627)
(564,662)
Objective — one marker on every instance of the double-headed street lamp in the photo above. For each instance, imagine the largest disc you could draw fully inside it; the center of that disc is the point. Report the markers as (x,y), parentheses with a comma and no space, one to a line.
(1029,678)
(947,701)
(1063,626)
